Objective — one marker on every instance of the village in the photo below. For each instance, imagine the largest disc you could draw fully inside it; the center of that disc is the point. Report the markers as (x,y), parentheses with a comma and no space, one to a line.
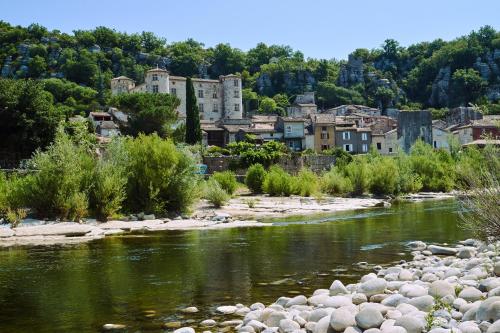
(305,128)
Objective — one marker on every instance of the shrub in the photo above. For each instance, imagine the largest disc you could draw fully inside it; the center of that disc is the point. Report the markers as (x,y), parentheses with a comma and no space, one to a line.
(407,181)
(59,187)
(161,178)
(277,182)
(227,180)
(306,183)
(433,168)
(359,175)
(384,176)
(335,183)
(108,190)
(254,178)
(215,194)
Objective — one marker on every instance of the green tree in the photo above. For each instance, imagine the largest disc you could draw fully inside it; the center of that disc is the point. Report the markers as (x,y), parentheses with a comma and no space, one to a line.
(28,119)
(467,86)
(186,57)
(193,130)
(37,67)
(384,96)
(267,105)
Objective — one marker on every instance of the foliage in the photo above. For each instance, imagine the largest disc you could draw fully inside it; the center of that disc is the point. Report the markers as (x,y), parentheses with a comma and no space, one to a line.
(250,153)
(359,174)
(109,180)
(254,177)
(161,178)
(59,188)
(149,113)
(193,130)
(277,182)
(28,118)
(306,183)
(267,105)
(12,199)
(333,182)
(215,194)
(481,212)
(227,180)
(384,176)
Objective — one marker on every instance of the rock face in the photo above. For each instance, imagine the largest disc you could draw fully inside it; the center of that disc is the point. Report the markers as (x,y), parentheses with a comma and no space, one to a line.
(352,72)
(439,94)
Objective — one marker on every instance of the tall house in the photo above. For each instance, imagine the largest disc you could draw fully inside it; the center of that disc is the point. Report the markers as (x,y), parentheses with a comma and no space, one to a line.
(217,99)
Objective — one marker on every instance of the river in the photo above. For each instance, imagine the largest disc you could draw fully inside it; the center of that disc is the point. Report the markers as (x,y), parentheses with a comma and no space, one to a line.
(78,288)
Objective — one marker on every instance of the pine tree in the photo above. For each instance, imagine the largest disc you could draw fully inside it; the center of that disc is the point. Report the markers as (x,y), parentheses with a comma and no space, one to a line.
(193,130)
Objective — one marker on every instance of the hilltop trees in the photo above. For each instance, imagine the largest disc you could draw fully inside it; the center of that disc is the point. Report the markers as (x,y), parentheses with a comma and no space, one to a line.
(193,130)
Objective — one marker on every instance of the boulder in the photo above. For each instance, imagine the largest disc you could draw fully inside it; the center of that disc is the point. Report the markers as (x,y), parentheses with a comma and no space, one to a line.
(359,298)
(297,300)
(191,309)
(496,269)
(323,326)
(470,294)
(184,330)
(410,323)
(288,326)
(208,323)
(412,290)
(274,318)
(227,309)
(435,249)
(338,288)
(466,252)
(441,288)
(494,328)
(394,329)
(489,310)
(417,246)
(423,303)
(369,318)
(394,300)
(257,325)
(341,319)
(114,327)
(372,287)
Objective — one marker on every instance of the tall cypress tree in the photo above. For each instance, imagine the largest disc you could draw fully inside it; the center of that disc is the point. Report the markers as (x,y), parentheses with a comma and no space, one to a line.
(193,129)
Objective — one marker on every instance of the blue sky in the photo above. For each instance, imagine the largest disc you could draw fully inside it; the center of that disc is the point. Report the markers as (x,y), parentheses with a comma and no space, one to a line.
(319,28)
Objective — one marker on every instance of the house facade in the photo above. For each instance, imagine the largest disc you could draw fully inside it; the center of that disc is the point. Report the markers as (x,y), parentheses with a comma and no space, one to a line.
(353,140)
(217,99)
(323,128)
(293,130)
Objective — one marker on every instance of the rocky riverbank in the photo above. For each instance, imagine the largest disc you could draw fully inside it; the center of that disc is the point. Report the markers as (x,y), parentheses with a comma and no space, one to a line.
(243,211)
(442,290)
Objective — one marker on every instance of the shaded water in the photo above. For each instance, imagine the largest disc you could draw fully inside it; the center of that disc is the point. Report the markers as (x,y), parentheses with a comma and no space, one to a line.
(78,288)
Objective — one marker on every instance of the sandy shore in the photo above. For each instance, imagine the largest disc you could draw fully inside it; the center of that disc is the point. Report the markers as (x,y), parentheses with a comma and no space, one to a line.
(244,211)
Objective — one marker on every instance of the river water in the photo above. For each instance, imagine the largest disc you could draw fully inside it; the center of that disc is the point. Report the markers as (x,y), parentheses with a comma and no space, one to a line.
(144,280)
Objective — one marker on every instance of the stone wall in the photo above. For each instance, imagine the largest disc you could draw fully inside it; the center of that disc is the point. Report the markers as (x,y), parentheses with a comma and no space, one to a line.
(414,125)
(316,163)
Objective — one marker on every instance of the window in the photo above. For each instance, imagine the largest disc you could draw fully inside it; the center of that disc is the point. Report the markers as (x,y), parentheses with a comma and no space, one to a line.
(364,136)
(435,144)
(348,147)
(236,83)
(325,147)
(325,136)
(323,128)
(236,107)
(379,145)
(390,150)
(364,147)
(214,94)
(216,107)
(236,94)
(288,129)
(155,77)
(173,91)
(200,93)
(155,88)
(346,136)
(200,107)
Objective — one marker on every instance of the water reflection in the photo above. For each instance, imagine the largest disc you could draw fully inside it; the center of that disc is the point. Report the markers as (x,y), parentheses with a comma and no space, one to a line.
(80,287)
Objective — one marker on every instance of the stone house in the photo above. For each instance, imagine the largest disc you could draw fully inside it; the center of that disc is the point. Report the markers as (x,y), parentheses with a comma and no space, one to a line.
(413,126)
(488,127)
(217,99)
(379,143)
(213,135)
(391,142)
(323,128)
(353,140)
(98,117)
(440,135)
(303,106)
(107,129)
(347,110)
(293,130)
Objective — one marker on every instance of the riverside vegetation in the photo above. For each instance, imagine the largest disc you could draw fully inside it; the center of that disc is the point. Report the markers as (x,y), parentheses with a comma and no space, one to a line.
(73,179)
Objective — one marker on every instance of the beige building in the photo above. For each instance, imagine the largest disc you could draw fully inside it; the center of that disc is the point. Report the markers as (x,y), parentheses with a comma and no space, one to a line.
(217,99)
(324,131)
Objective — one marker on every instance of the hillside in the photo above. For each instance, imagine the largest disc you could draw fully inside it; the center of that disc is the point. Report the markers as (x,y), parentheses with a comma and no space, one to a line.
(436,74)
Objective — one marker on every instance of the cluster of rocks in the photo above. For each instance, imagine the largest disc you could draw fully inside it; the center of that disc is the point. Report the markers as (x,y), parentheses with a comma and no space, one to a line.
(442,290)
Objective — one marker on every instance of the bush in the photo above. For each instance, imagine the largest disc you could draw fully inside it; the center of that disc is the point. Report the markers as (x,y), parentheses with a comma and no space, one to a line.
(254,178)
(407,181)
(161,178)
(215,194)
(335,183)
(358,173)
(434,168)
(60,186)
(109,181)
(277,182)
(227,180)
(306,183)
(384,176)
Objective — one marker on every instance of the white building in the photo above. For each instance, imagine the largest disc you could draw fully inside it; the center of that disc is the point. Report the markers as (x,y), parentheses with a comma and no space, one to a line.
(217,99)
